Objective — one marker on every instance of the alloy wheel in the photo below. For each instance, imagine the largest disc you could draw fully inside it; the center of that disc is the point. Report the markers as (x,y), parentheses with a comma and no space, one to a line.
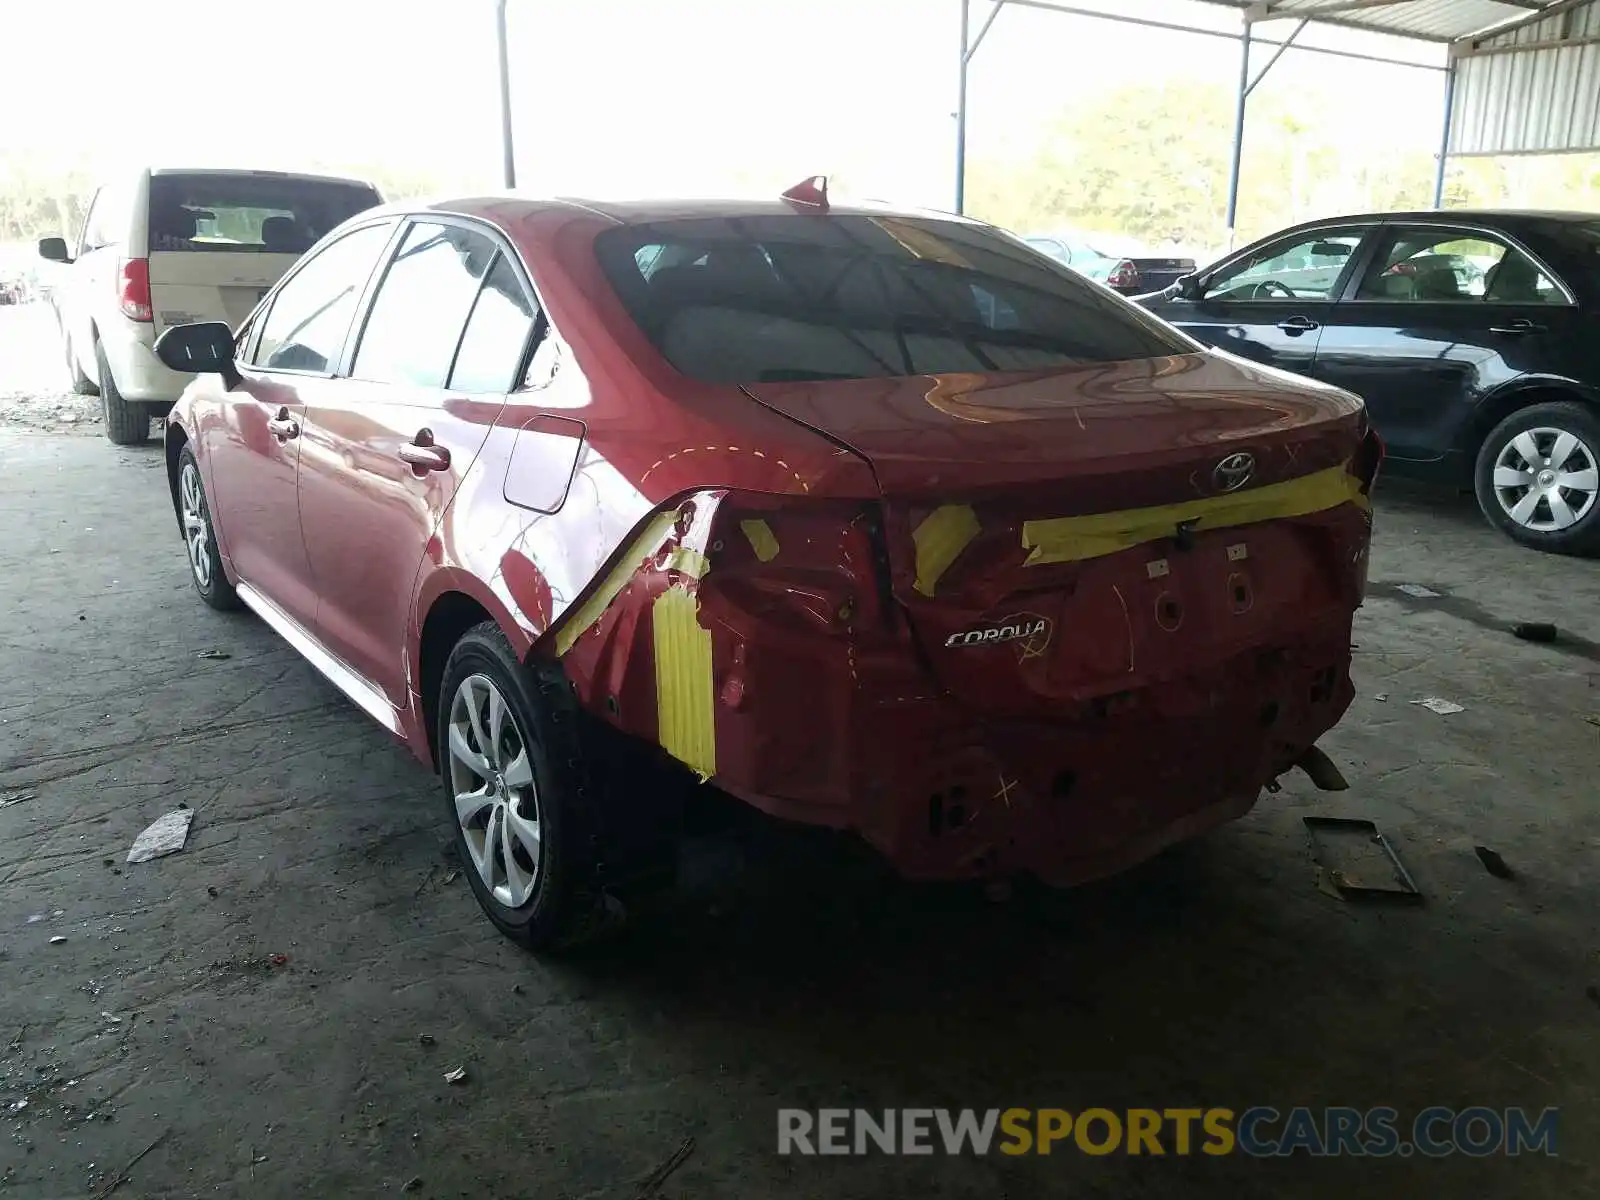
(196,530)
(497,802)
(1546,479)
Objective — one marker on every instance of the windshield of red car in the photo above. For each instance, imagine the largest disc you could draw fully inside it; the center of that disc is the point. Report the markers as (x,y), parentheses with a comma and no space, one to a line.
(849,296)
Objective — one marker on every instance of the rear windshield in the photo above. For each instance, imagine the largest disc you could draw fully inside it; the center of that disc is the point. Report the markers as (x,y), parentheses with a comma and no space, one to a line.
(771,298)
(260,213)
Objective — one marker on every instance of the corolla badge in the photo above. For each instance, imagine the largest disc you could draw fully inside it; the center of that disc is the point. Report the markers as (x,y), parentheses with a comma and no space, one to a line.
(1029,634)
(1233,472)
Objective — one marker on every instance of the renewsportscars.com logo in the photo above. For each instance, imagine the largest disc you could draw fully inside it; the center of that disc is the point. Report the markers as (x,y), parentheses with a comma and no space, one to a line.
(1259,1132)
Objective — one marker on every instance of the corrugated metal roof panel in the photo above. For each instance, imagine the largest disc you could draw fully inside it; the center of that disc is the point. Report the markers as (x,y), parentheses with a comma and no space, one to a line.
(1538,102)
(1434,20)
(1437,20)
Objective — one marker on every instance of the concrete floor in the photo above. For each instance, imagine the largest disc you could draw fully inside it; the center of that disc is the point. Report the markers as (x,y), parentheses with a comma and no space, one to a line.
(790,971)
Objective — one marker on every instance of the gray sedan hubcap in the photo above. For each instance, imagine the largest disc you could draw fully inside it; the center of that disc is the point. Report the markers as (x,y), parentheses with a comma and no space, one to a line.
(1546,479)
(491,778)
(196,532)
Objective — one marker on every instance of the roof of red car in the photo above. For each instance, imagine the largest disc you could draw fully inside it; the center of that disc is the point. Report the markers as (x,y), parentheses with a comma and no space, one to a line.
(642,211)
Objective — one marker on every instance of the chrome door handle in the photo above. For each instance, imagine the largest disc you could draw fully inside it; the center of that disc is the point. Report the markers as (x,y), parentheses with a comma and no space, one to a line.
(1298,325)
(423,454)
(283,426)
(1516,328)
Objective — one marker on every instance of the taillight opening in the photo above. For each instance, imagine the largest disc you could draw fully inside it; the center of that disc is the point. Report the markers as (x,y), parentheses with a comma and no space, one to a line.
(133,289)
(811,560)
(1367,460)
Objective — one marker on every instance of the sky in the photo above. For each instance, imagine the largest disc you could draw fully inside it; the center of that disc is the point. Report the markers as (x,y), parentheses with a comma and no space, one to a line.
(617,97)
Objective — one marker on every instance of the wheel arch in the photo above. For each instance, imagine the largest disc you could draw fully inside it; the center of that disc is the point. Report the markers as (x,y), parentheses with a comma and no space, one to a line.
(451,602)
(1523,392)
(177,437)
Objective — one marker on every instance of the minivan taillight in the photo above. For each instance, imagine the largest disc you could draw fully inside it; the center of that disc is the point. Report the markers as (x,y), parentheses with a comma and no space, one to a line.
(133,289)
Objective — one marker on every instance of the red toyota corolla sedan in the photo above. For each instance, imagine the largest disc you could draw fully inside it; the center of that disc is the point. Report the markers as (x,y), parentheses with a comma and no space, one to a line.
(874,519)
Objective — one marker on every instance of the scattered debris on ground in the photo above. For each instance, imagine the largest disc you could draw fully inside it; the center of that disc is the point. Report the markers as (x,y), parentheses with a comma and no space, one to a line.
(1493,863)
(1417,590)
(1357,861)
(17,798)
(121,1176)
(1535,631)
(427,1039)
(165,835)
(1381,696)
(1437,705)
(457,1075)
(57,940)
(216,655)
(651,1183)
(411,1184)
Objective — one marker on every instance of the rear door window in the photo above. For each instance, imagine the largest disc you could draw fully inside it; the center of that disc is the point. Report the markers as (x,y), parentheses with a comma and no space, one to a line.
(422,305)
(1421,265)
(260,213)
(306,326)
(850,296)
(497,334)
(105,224)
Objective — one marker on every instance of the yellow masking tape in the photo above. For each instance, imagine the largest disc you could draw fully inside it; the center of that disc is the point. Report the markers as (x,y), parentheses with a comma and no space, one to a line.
(940,538)
(761,538)
(685,701)
(583,618)
(1072,539)
(688,560)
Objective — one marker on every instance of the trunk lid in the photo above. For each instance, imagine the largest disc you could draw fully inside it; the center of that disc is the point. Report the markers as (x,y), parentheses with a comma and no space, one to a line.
(1033,520)
(189,286)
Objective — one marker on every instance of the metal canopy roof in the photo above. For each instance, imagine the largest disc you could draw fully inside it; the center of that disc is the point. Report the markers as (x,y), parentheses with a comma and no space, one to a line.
(1429,20)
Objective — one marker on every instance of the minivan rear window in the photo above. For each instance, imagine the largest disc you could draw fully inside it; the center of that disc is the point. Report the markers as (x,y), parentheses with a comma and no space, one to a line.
(263,214)
(767,298)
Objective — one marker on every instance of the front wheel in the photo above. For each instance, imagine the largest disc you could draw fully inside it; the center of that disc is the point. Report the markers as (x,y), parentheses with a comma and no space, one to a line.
(1538,478)
(194,519)
(516,790)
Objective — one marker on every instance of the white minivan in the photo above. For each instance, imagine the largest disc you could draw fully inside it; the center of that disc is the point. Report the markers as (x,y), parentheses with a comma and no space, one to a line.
(173,247)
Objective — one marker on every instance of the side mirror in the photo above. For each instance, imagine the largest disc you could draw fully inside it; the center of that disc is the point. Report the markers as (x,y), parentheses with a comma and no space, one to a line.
(54,250)
(193,349)
(1187,287)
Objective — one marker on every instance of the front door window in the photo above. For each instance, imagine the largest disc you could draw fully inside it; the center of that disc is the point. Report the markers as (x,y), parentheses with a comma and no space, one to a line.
(1307,268)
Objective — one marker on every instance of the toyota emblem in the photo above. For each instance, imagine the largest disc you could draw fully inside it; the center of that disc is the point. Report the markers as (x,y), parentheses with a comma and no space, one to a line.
(1233,472)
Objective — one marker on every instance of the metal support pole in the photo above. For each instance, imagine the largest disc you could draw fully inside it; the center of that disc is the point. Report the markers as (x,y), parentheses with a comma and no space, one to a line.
(961,112)
(510,164)
(1444,138)
(1238,131)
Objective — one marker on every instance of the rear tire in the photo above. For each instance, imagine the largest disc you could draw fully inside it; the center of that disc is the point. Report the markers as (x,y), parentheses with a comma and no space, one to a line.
(127,422)
(1532,498)
(516,790)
